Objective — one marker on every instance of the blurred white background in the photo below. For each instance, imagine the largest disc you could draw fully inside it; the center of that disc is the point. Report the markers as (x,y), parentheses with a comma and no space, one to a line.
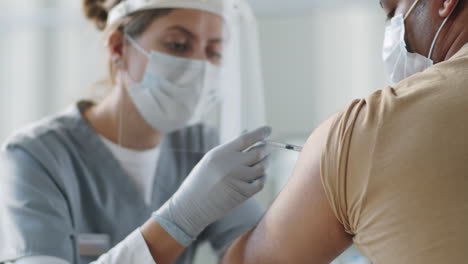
(317,56)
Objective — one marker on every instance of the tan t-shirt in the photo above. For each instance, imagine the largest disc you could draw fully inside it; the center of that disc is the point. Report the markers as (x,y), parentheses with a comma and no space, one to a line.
(395,168)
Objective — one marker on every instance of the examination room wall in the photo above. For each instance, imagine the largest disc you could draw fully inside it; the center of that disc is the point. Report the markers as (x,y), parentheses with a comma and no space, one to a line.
(315,61)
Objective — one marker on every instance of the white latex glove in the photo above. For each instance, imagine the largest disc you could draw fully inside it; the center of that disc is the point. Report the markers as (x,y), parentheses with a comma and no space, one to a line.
(226,177)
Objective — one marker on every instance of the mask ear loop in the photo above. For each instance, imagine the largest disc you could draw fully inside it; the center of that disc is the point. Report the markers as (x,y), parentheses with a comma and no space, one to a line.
(411,9)
(140,49)
(137,46)
(440,30)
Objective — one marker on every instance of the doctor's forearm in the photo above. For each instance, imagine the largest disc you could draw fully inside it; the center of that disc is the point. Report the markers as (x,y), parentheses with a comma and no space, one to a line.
(162,246)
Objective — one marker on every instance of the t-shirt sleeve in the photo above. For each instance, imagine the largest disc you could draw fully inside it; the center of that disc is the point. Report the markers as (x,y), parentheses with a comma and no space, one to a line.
(34,216)
(222,233)
(334,161)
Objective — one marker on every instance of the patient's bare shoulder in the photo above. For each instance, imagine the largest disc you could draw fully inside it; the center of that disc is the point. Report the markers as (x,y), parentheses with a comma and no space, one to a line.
(300,226)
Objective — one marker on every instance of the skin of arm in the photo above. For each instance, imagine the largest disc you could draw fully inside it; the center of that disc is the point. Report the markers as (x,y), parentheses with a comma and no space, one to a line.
(300,226)
(162,246)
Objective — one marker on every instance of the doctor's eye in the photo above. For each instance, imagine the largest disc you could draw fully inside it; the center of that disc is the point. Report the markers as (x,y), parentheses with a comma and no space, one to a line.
(214,52)
(178,47)
(215,57)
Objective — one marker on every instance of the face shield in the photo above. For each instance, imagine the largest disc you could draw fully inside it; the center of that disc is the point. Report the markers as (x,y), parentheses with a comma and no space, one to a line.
(206,72)
(199,86)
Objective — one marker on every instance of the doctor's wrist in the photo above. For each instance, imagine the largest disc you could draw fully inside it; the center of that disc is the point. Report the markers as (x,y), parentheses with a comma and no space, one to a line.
(174,230)
(163,247)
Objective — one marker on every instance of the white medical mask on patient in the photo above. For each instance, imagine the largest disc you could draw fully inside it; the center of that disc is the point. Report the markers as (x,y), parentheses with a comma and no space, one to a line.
(399,63)
(175,92)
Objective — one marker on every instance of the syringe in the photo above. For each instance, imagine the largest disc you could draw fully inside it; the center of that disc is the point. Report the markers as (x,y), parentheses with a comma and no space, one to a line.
(283,145)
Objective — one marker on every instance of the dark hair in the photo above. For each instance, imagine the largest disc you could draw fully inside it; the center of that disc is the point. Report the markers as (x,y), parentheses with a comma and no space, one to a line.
(97,11)
(134,25)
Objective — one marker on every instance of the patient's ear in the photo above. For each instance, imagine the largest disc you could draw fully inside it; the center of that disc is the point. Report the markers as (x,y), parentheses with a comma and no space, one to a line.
(446,9)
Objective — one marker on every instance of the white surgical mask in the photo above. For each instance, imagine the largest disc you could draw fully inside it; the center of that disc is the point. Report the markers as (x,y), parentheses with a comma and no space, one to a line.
(399,63)
(175,92)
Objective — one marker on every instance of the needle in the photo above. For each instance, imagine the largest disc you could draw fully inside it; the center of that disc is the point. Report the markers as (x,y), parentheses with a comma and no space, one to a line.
(284,145)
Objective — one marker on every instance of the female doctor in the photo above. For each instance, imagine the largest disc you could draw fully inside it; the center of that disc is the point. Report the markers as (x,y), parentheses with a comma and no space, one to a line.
(140,176)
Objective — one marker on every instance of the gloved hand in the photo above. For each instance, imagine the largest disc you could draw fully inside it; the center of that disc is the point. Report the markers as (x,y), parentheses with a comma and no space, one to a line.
(226,177)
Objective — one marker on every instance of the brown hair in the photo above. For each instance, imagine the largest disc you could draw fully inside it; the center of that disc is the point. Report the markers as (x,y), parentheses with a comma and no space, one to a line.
(134,25)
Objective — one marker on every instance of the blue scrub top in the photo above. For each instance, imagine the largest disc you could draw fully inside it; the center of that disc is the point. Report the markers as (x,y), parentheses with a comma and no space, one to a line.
(58,180)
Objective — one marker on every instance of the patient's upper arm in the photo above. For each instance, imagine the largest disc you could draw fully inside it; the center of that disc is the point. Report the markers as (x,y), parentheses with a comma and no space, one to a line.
(300,226)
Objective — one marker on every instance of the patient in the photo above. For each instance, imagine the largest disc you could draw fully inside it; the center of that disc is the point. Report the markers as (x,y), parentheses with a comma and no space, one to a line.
(389,172)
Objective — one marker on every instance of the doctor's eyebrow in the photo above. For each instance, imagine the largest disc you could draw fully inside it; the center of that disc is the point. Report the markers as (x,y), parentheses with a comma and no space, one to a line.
(182,30)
